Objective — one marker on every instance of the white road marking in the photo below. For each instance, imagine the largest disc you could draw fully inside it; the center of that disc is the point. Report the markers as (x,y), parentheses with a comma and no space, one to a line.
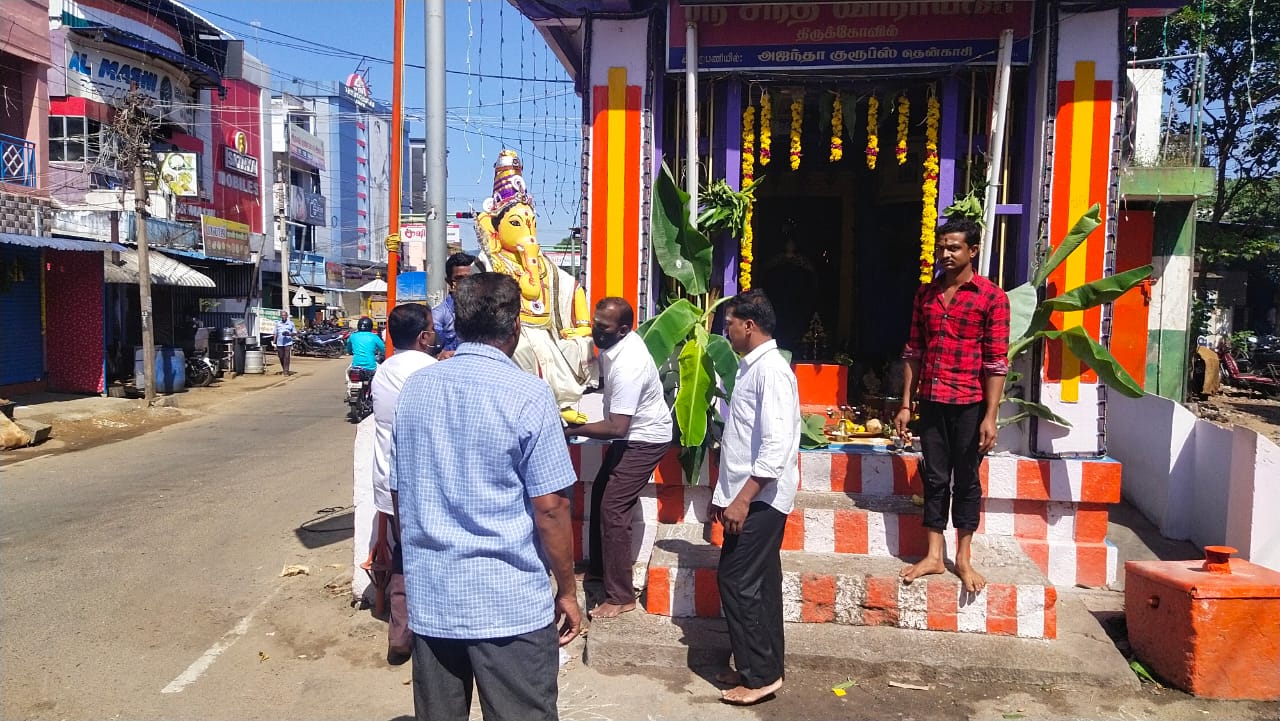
(202,664)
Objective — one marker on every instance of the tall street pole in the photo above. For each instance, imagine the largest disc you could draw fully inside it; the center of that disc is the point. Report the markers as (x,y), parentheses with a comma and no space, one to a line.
(144,284)
(397,159)
(437,153)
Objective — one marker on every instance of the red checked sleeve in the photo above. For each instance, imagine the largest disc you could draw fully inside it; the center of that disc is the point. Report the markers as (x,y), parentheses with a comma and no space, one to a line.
(995,336)
(915,340)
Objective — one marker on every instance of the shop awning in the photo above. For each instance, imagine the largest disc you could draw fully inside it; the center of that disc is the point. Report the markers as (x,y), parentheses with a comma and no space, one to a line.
(164,271)
(377,285)
(38,241)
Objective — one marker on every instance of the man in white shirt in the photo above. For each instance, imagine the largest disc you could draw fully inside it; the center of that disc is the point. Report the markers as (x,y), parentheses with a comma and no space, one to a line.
(638,422)
(413,336)
(759,475)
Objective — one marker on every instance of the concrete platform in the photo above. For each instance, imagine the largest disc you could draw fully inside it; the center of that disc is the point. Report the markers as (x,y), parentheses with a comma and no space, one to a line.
(1082,655)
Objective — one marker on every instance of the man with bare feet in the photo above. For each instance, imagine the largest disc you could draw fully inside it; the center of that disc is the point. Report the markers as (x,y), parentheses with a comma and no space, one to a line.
(956,368)
(759,476)
(638,424)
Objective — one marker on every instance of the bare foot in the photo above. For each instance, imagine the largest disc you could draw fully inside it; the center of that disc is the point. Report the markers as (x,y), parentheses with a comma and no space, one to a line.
(729,678)
(924,567)
(611,610)
(743,696)
(972,580)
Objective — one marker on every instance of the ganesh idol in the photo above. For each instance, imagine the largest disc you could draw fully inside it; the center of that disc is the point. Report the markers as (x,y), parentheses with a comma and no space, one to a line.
(555,320)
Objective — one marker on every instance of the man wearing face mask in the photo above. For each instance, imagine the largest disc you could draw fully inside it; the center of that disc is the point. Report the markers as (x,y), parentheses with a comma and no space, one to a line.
(638,424)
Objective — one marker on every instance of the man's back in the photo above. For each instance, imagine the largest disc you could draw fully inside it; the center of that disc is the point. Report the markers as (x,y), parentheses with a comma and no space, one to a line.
(475,439)
(386,385)
(365,349)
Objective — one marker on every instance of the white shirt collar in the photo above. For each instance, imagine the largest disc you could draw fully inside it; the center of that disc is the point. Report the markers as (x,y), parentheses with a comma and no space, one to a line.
(612,353)
(759,352)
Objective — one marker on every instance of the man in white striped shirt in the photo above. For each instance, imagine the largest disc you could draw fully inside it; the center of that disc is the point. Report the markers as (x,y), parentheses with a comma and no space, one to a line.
(759,475)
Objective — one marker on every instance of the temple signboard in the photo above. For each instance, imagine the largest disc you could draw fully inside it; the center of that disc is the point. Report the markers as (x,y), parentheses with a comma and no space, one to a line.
(849,34)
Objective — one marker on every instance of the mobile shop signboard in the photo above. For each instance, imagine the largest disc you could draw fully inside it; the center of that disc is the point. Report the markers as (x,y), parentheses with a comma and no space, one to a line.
(225,238)
(849,34)
(239,169)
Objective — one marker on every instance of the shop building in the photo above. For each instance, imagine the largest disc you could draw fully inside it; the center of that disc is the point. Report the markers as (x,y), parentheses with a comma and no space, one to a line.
(875,116)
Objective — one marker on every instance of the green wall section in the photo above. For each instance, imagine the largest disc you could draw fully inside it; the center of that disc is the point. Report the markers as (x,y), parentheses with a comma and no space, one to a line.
(1167,352)
(1175,229)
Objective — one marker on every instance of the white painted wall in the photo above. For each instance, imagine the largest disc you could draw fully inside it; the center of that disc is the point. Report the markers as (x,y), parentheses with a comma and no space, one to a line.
(1197,480)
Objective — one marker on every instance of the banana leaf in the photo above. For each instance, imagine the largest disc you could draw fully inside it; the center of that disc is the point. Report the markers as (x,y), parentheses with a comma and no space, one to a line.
(691,460)
(663,332)
(812,434)
(1098,358)
(682,250)
(693,398)
(1022,306)
(1081,230)
(724,360)
(1103,290)
(1028,408)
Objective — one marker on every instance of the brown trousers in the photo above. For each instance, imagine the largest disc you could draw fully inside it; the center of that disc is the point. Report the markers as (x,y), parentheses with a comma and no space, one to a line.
(626,470)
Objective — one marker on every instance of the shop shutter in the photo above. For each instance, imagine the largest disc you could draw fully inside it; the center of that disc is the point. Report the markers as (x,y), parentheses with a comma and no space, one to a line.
(21,340)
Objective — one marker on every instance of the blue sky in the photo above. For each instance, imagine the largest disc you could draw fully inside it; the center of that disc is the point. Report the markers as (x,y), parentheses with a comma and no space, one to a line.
(540,119)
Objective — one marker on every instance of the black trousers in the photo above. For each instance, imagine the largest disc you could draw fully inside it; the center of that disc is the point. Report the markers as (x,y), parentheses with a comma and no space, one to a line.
(949,441)
(516,677)
(750,580)
(625,472)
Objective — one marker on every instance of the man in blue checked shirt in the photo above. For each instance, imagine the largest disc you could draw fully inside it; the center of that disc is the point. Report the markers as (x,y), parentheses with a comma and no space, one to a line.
(482,499)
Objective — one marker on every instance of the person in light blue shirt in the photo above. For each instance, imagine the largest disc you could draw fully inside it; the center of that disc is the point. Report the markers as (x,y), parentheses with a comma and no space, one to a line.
(480,474)
(457,267)
(366,348)
(285,330)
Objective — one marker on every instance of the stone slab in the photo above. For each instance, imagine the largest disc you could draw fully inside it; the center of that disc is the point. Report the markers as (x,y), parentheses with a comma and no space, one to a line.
(39,432)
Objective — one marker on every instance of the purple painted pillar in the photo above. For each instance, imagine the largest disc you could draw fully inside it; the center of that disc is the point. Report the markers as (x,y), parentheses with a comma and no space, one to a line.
(948,143)
(733,176)
(1030,181)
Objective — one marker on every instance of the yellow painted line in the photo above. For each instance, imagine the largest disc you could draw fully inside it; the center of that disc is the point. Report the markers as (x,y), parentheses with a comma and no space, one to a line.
(616,157)
(1076,273)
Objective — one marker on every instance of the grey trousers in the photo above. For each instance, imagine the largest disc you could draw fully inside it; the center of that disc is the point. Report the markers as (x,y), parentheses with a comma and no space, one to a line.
(516,677)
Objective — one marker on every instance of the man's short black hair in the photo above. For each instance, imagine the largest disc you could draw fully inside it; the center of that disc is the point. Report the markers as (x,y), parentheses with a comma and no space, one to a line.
(406,322)
(754,306)
(457,260)
(971,230)
(626,314)
(486,306)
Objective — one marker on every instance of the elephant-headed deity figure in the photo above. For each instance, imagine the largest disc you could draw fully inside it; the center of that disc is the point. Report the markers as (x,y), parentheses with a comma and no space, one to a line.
(555,319)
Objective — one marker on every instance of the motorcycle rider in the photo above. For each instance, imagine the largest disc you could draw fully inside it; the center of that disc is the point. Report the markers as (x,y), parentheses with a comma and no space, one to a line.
(366,348)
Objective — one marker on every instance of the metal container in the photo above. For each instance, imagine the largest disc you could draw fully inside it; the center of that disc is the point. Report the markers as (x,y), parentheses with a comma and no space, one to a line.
(229,334)
(253,362)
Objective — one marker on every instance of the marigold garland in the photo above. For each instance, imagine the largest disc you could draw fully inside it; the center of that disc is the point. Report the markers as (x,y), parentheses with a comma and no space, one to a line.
(797,119)
(929,214)
(766,129)
(873,131)
(904,120)
(837,130)
(746,257)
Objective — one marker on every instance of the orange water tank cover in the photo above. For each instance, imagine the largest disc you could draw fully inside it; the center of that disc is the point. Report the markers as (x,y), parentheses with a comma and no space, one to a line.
(1211,628)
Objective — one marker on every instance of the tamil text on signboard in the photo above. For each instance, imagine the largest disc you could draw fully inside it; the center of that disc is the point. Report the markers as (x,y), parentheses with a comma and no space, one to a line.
(225,239)
(305,147)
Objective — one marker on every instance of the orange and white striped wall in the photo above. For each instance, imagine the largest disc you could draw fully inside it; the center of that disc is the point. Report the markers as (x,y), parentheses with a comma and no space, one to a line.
(1087,87)
(618,77)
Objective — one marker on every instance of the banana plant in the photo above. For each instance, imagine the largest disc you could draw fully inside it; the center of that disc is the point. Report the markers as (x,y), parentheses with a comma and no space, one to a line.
(1029,322)
(697,366)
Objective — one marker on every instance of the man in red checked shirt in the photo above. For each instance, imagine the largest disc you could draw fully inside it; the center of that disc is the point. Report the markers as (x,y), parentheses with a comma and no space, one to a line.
(956,367)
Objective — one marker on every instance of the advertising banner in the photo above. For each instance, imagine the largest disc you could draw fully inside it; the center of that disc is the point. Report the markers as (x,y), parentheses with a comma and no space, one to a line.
(306,207)
(179,173)
(225,239)
(849,34)
(305,147)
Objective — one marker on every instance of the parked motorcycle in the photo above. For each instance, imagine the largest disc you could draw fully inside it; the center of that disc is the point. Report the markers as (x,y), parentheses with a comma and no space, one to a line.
(359,393)
(324,345)
(201,370)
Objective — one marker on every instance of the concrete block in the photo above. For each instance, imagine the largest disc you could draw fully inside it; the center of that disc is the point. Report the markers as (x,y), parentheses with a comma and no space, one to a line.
(38,431)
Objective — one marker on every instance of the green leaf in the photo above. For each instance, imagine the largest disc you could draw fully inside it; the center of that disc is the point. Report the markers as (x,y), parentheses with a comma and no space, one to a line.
(724,360)
(1038,410)
(1141,671)
(694,395)
(1081,230)
(682,250)
(1103,290)
(663,332)
(1097,358)
(812,434)
(1022,305)
(691,460)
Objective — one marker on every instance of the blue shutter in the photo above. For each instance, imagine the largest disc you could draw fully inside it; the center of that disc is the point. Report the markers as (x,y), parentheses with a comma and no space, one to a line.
(21,339)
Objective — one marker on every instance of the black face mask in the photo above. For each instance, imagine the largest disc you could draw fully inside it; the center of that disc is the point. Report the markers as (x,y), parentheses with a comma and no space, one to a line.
(605,341)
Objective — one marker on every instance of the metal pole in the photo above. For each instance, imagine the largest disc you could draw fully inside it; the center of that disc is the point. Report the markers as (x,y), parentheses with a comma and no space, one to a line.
(144,285)
(691,115)
(436,154)
(996,158)
(397,159)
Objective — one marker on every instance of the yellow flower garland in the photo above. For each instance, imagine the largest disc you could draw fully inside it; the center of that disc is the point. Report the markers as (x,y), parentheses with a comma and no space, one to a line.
(873,131)
(797,119)
(904,120)
(766,129)
(929,214)
(837,130)
(746,257)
